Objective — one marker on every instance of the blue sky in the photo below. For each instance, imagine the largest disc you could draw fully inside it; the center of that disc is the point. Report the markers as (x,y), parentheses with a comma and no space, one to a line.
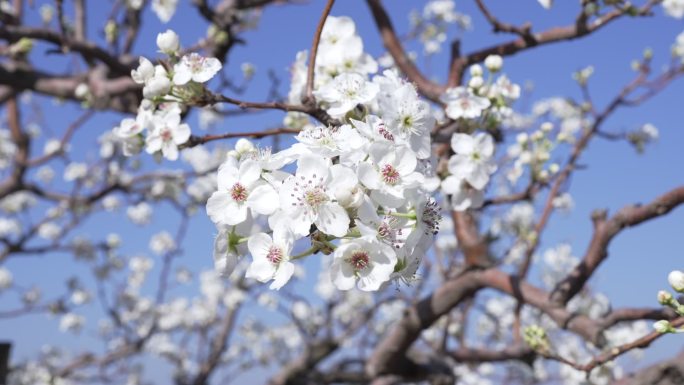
(640,258)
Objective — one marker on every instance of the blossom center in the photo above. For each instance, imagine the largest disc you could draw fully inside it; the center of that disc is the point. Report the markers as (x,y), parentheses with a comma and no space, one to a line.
(275,255)
(315,197)
(390,174)
(311,192)
(166,135)
(238,192)
(359,260)
(382,130)
(195,63)
(431,217)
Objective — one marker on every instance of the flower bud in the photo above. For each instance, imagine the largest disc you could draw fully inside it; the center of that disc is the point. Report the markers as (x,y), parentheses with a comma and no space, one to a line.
(522,138)
(81,91)
(476,70)
(663,326)
(476,82)
(546,126)
(664,298)
(46,13)
(21,47)
(349,198)
(144,72)
(676,279)
(168,42)
(537,136)
(157,86)
(493,63)
(111,30)
(244,146)
(248,70)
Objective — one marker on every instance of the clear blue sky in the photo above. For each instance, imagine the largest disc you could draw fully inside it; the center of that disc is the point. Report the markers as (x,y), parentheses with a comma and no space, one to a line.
(640,258)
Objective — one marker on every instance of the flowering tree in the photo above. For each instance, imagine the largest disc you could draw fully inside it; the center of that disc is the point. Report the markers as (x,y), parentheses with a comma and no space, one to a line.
(418,205)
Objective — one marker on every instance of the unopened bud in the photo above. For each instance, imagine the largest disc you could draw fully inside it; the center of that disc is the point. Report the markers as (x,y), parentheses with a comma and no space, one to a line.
(676,280)
(168,42)
(111,31)
(244,146)
(476,82)
(476,70)
(663,326)
(493,63)
(665,298)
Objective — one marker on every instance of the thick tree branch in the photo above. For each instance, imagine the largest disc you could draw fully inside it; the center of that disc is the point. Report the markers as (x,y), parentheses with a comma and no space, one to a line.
(604,232)
(426,87)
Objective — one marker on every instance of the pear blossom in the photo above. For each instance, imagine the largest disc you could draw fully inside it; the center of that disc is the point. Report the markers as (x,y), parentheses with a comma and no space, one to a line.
(364,263)
(462,103)
(473,158)
(506,88)
(463,195)
(228,247)
(168,42)
(410,118)
(166,135)
(390,171)
(5,279)
(196,68)
(338,40)
(144,72)
(676,280)
(493,63)
(331,141)
(240,190)
(308,197)
(71,322)
(547,4)
(157,85)
(674,8)
(164,9)
(345,92)
(271,257)
(129,128)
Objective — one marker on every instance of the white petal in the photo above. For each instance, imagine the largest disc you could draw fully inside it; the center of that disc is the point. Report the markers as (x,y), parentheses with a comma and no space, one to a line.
(332,219)
(181,133)
(282,275)
(261,270)
(342,275)
(462,143)
(258,245)
(313,167)
(368,176)
(479,177)
(342,178)
(181,75)
(263,199)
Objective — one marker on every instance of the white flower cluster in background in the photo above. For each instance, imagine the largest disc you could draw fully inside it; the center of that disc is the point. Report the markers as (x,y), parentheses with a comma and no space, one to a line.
(432,24)
(166,86)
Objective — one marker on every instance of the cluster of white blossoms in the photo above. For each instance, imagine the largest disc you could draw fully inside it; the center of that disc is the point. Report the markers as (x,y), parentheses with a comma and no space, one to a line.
(481,101)
(358,190)
(432,24)
(665,298)
(166,86)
